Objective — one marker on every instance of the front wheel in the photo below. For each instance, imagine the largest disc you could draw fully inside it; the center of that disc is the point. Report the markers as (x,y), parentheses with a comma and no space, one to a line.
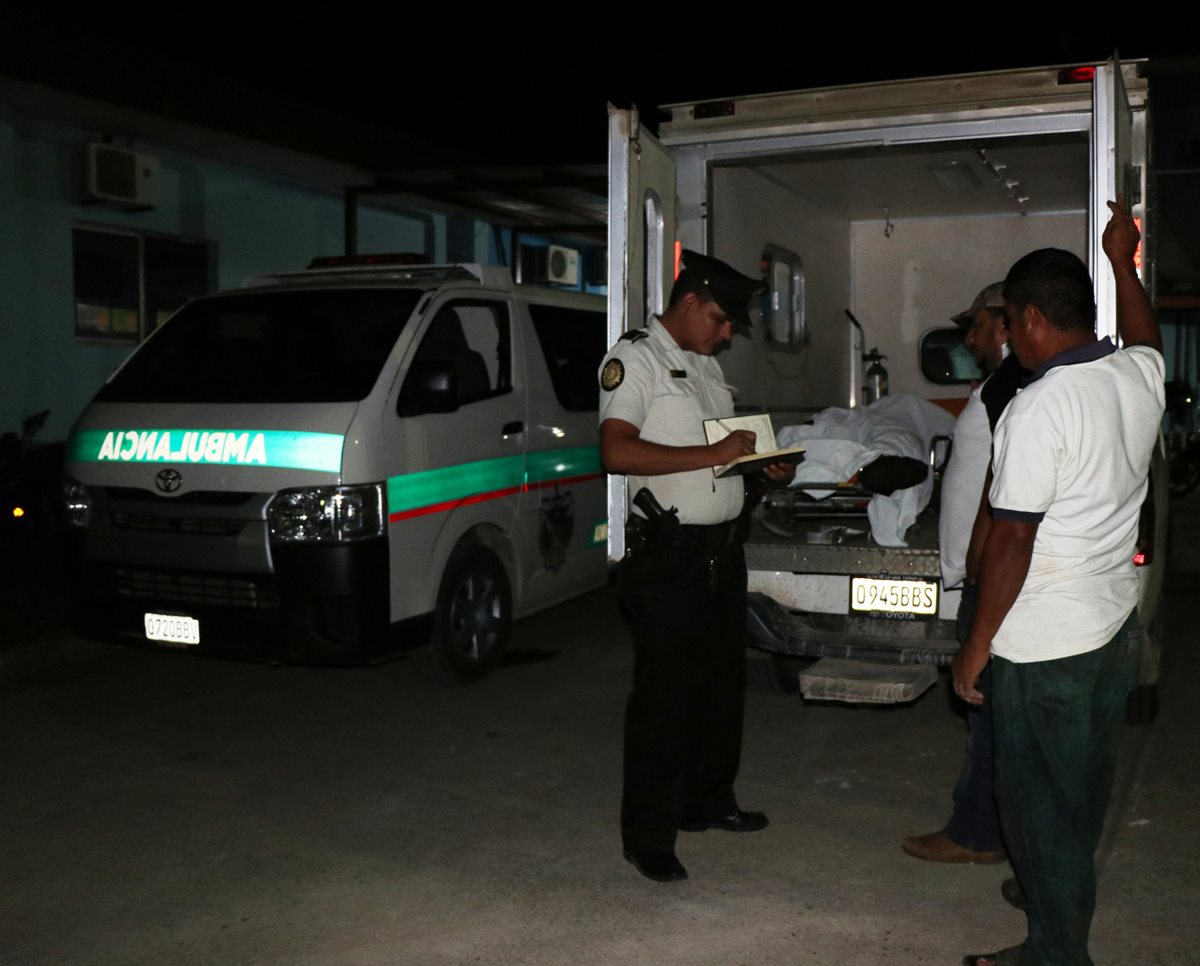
(1185,472)
(1142,705)
(473,618)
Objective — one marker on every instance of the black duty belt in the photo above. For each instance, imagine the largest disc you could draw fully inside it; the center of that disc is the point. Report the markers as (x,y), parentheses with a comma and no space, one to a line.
(707,539)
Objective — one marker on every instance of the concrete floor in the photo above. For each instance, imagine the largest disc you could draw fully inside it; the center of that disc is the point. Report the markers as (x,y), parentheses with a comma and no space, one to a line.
(158,808)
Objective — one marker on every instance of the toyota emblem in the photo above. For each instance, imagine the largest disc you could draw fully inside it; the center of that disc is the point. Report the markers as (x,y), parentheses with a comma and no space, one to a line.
(168,480)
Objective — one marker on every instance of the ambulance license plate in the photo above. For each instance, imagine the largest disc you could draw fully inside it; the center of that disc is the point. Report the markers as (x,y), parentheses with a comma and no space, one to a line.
(906,599)
(172,629)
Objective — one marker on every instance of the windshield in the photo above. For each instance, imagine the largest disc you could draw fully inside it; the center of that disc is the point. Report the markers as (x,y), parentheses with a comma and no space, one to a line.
(268,347)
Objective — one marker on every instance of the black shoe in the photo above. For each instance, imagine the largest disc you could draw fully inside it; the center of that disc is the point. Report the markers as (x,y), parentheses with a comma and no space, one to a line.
(1013,894)
(659,866)
(735,821)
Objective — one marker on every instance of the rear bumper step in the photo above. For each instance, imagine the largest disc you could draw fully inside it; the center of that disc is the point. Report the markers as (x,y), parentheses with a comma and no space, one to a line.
(863,682)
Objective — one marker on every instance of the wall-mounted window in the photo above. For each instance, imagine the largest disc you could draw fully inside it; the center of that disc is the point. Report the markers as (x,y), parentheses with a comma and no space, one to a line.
(783,304)
(126,283)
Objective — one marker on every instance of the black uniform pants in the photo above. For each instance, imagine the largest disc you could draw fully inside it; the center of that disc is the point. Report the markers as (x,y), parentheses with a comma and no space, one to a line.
(683,722)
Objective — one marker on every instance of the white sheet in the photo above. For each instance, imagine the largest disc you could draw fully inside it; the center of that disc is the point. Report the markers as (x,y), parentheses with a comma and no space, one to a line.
(841,441)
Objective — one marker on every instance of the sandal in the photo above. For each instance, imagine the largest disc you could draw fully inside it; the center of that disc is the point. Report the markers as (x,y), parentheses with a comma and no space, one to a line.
(1012,956)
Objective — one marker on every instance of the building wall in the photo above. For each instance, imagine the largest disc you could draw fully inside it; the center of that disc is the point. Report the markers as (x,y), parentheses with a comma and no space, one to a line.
(256,221)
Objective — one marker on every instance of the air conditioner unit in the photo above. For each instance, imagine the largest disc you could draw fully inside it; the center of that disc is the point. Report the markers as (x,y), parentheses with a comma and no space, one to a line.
(562,265)
(121,177)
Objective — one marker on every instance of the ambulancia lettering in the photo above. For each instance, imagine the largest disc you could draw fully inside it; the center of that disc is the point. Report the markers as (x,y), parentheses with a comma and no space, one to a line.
(153,446)
(284,449)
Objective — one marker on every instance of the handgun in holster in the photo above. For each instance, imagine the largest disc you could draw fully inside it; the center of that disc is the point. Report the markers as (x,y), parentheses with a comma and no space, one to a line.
(648,536)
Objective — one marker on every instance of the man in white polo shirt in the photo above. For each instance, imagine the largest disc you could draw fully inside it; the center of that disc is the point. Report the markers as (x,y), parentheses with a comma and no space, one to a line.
(1057,588)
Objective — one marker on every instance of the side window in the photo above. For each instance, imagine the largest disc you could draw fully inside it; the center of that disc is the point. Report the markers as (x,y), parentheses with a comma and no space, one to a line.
(573,343)
(474,339)
(945,359)
(783,305)
(652,265)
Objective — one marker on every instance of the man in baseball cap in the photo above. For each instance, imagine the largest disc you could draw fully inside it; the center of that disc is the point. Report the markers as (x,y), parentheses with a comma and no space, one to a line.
(973,832)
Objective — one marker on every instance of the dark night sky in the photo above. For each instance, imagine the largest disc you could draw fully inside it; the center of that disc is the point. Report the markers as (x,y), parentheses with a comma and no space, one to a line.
(433,95)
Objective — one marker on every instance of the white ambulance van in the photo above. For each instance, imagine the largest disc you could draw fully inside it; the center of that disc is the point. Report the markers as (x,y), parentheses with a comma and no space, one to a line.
(335,464)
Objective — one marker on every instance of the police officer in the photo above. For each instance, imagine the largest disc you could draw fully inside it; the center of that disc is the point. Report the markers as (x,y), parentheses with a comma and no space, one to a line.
(684,582)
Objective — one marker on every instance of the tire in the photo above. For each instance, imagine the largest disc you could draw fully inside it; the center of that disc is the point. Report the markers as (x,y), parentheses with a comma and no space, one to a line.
(1142,706)
(1185,473)
(473,618)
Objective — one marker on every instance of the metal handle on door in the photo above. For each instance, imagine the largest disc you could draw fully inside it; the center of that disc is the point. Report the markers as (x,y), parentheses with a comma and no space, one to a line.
(512,429)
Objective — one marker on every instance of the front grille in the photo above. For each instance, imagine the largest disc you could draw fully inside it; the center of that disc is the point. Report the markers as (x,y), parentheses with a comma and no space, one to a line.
(251,593)
(131,494)
(155,524)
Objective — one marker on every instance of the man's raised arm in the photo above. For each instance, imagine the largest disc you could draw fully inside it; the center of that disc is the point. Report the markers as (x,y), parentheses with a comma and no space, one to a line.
(1135,317)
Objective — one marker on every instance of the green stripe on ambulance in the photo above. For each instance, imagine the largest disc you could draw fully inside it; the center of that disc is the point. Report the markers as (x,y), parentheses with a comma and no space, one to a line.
(443,487)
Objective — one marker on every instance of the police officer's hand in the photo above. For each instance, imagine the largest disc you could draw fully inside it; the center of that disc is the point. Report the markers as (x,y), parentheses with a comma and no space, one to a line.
(737,444)
(780,472)
(1121,235)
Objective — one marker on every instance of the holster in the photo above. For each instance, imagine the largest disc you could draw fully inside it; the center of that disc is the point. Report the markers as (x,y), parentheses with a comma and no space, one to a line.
(647,538)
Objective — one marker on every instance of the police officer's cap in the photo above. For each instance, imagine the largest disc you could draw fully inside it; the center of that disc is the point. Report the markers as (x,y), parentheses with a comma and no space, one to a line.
(730,288)
(992,297)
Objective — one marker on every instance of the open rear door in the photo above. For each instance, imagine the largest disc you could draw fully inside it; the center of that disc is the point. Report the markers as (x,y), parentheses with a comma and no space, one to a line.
(641,252)
(1113,175)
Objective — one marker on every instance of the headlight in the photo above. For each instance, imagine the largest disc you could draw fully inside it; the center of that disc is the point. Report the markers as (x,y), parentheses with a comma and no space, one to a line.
(326,514)
(77,503)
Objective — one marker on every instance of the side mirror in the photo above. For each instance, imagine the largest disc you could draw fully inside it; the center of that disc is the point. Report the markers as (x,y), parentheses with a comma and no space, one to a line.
(429,387)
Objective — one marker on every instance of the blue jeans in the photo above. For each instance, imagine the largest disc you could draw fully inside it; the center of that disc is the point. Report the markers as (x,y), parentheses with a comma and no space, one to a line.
(1057,724)
(975,822)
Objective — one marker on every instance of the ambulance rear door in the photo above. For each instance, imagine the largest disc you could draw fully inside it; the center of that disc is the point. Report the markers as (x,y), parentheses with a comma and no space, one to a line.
(641,252)
(1117,171)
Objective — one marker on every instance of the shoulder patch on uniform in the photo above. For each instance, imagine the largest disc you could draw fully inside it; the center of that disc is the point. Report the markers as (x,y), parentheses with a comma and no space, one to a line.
(634,334)
(612,374)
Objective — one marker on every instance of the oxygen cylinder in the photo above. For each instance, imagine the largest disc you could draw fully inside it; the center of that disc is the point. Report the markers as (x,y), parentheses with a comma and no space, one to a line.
(875,386)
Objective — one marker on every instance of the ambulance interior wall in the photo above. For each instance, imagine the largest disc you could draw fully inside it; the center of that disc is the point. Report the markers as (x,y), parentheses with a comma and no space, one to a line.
(931,268)
(256,224)
(749,210)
